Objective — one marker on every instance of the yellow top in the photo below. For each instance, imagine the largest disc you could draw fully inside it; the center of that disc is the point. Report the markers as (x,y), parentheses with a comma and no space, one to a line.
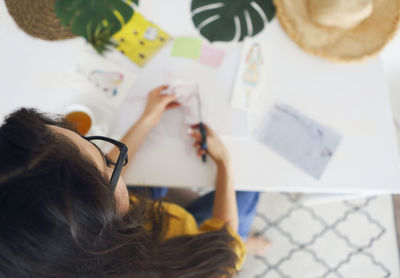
(183,223)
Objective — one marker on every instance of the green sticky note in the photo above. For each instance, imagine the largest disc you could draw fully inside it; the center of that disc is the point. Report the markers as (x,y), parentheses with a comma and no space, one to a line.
(187,47)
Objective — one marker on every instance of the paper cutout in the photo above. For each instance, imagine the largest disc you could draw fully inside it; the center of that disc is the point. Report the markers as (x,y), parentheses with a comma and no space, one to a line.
(302,141)
(187,47)
(187,94)
(211,56)
(140,39)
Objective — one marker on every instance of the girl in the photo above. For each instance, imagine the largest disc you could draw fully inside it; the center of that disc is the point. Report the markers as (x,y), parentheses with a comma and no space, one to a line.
(66,212)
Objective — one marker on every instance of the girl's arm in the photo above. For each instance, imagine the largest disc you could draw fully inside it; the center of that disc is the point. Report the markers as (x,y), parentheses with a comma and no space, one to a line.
(225,206)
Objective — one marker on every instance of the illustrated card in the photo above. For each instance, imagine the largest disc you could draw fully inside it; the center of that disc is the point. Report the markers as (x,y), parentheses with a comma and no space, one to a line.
(107,82)
(299,139)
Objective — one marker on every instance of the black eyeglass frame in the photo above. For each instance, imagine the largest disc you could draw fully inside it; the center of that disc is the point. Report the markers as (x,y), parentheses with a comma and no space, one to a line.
(121,161)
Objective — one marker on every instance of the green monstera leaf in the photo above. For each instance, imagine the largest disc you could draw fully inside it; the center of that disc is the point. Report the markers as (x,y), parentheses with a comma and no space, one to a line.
(231,20)
(96,20)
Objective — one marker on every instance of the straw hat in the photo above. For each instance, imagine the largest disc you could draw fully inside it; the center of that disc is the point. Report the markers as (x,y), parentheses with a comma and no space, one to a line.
(340,30)
(37,18)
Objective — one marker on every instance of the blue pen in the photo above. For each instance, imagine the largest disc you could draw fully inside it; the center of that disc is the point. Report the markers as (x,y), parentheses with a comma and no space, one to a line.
(202,129)
(204,140)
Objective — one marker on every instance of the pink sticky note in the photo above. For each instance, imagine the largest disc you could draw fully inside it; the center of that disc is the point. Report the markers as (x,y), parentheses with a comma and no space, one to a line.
(211,56)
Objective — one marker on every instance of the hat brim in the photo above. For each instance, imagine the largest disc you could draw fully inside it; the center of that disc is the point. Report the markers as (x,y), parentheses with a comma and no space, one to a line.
(341,45)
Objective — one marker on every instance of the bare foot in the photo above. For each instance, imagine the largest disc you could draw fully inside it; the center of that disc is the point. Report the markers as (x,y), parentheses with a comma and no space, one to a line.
(257,245)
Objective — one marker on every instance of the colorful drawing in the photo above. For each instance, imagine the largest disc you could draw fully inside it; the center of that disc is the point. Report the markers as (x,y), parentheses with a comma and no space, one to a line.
(140,39)
(105,83)
(251,75)
(108,82)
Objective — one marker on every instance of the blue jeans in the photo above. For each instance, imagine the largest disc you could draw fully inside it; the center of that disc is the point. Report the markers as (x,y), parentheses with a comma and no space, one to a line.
(202,207)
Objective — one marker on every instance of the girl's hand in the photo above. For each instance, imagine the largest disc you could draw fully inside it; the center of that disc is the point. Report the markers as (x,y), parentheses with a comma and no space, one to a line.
(157,104)
(215,148)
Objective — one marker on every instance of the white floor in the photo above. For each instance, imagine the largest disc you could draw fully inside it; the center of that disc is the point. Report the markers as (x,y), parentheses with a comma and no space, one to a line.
(345,239)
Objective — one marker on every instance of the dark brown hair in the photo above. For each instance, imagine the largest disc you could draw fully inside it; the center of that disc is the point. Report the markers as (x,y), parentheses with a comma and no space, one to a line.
(58,216)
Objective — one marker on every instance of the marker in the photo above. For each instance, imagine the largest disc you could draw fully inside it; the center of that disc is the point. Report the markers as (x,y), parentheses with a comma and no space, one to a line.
(204,140)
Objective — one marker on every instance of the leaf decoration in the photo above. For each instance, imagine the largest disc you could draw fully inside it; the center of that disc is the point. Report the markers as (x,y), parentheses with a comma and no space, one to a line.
(100,40)
(231,20)
(136,2)
(96,20)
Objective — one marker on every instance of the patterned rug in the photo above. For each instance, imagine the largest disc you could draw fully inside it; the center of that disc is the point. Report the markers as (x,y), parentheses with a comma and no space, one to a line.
(347,239)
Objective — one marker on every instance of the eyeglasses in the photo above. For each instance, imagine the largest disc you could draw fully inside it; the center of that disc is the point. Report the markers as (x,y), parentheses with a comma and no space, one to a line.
(122,159)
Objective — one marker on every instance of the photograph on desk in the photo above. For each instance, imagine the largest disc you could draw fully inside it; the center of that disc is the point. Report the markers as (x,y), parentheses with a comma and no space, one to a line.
(299,139)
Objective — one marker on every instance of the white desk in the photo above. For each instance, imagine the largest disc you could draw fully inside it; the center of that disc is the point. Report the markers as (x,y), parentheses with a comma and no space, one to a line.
(352,99)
